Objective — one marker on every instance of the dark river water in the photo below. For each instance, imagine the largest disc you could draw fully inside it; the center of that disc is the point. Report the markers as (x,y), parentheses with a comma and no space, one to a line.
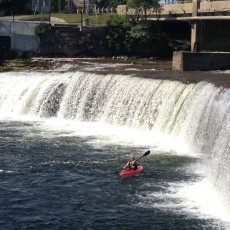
(66,133)
(55,181)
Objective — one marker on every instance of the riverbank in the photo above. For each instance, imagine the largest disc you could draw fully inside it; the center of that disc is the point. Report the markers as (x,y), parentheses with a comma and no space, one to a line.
(22,64)
(41,63)
(147,68)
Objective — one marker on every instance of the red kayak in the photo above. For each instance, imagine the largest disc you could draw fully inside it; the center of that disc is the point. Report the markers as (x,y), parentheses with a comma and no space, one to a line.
(130,172)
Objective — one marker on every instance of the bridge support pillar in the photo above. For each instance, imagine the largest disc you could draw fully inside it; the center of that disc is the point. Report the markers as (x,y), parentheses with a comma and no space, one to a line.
(195,7)
(195,28)
(195,37)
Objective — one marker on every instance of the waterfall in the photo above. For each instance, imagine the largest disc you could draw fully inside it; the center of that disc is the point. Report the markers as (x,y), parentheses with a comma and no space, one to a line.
(195,112)
(120,100)
(198,114)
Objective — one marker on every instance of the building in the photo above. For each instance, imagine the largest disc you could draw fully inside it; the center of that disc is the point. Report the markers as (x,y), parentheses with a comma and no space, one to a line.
(45,5)
(40,6)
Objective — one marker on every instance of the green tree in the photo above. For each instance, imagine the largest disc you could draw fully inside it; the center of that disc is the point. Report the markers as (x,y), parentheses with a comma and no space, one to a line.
(143,39)
(142,6)
(146,39)
(58,5)
(14,7)
(118,35)
(114,3)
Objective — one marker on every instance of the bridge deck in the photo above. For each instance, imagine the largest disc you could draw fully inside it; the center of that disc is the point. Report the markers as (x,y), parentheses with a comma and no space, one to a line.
(185,9)
(189,18)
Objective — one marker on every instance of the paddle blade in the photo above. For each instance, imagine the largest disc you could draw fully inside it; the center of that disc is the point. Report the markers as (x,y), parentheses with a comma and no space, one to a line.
(146,153)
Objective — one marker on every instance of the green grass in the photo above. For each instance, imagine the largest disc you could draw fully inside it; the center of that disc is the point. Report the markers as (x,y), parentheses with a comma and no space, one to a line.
(36,17)
(102,18)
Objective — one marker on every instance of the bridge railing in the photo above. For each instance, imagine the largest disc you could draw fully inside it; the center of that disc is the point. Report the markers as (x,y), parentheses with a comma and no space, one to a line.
(164,2)
(187,9)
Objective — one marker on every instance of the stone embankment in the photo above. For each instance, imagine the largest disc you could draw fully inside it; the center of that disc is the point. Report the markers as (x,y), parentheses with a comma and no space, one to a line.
(70,41)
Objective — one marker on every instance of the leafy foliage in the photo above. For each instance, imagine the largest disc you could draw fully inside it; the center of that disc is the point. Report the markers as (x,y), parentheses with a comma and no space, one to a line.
(142,6)
(118,34)
(55,7)
(41,29)
(139,39)
(140,32)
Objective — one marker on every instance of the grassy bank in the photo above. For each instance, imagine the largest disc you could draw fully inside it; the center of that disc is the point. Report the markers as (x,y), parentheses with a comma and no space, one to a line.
(101,18)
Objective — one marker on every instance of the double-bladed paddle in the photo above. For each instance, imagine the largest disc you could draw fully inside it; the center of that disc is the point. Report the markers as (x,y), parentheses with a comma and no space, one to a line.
(145,154)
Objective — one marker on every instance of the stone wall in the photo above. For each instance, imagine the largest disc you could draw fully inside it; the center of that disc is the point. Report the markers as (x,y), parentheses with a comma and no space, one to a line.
(70,41)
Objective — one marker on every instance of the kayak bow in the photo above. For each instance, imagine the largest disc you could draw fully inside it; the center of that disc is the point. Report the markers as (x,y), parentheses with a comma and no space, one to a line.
(130,172)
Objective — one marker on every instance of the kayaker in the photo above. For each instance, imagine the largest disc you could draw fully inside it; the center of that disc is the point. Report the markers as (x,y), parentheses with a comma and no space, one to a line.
(132,163)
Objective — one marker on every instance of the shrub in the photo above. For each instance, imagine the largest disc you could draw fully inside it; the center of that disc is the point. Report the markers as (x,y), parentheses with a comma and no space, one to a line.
(41,29)
(141,38)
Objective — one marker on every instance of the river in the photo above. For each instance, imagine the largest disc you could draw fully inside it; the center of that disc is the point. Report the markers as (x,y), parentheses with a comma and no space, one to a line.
(66,133)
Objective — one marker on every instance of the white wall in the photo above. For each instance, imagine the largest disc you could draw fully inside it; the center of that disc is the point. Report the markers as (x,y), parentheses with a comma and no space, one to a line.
(22,34)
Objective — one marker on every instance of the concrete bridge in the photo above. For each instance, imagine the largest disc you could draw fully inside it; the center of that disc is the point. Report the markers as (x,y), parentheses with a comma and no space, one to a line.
(197,13)
(188,8)
(183,8)
(206,18)
(209,23)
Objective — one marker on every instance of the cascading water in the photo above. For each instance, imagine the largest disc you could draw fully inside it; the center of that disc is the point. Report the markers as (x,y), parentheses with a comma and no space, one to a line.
(194,112)
(120,100)
(196,116)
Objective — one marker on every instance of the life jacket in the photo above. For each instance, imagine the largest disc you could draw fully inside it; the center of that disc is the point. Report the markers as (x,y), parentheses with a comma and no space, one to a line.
(133,165)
